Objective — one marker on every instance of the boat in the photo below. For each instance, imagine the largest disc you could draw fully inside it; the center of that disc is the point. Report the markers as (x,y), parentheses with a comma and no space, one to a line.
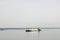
(33,30)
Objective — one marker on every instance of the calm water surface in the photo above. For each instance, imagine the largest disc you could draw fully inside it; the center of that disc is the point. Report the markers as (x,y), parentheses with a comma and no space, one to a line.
(45,34)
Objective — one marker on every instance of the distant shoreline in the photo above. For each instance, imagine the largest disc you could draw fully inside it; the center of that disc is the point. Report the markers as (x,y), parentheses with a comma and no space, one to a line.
(25,28)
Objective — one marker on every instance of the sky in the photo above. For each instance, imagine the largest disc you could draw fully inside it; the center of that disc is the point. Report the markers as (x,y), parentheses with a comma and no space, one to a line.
(29,13)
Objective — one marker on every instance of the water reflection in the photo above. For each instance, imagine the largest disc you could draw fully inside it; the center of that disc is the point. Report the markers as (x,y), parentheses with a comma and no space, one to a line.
(49,34)
(32,35)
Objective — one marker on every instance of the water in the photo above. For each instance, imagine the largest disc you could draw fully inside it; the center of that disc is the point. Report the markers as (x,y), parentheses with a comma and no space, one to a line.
(45,34)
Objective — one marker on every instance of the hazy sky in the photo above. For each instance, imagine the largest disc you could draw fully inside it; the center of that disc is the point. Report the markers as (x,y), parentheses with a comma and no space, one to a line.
(26,13)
